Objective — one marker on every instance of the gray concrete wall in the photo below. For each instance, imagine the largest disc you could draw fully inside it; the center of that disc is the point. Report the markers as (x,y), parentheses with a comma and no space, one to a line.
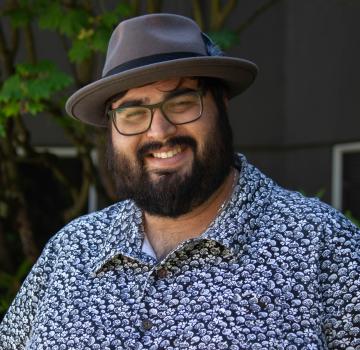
(322,92)
(307,96)
(322,71)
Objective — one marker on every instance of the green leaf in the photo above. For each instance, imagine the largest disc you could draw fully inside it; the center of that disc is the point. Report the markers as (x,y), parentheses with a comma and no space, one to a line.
(28,70)
(11,109)
(40,89)
(109,19)
(29,87)
(225,38)
(101,39)
(112,18)
(50,16)
(19,17)
(123,10)
(11,89)
(72,22)
(33,107)
(59,80)
(79,51)
(24,3)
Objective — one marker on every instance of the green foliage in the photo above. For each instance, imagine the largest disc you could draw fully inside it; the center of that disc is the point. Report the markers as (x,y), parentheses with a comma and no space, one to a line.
(65,20)
(225,38)
(350,216)
(93,36)
(79,51)
(28,89)
(19,16)
(50,15)
(72,21)
(88,33)
(10,283)
(34,82)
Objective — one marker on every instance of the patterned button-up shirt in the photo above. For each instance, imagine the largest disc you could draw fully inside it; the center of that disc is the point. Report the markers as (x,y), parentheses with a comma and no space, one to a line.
(274,271)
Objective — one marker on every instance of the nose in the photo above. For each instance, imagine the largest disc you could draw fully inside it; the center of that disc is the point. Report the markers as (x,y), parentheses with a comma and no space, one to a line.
(160,127)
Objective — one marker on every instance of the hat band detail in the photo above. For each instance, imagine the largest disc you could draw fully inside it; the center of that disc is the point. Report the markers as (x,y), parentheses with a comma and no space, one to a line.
(144,61)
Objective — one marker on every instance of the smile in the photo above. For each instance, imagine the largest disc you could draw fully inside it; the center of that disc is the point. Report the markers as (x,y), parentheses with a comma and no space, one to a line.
(168,154)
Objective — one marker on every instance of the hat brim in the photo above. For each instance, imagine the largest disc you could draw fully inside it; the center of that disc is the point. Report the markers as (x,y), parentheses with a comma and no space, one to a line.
(88,103)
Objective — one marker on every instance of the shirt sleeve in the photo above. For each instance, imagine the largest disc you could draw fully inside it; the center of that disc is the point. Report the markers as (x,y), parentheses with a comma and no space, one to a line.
(16,326)
(340,283)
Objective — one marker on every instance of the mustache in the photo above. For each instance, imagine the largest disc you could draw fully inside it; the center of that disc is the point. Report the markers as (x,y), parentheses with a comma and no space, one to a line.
(174,141)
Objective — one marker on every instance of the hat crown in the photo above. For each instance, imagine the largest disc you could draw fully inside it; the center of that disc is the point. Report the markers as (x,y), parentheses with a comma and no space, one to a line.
(150,35)
(155,47)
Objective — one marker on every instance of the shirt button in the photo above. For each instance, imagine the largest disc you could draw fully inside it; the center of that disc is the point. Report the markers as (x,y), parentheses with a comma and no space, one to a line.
(262,304)
(147,324)
(161,273)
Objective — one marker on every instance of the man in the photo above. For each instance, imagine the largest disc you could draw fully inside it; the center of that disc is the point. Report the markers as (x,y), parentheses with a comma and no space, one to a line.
(204,252)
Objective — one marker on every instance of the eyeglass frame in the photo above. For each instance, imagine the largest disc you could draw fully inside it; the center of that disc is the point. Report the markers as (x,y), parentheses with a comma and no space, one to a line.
(112,112)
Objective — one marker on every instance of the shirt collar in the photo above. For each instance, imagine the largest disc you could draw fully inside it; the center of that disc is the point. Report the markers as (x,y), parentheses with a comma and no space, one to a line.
(232,227)
(123,235)
(235,224)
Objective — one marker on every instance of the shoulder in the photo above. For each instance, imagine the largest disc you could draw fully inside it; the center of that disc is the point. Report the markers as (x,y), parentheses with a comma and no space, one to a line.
(275,208)
(309,216)
(90,230)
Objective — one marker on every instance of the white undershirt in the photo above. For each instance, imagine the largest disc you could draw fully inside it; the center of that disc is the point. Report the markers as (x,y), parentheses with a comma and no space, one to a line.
(147,248)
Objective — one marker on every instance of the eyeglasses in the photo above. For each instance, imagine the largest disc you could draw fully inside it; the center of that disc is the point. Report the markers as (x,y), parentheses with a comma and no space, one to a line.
(180,109)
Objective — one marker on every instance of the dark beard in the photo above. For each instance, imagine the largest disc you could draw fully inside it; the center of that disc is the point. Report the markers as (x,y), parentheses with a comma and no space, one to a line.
(173,194)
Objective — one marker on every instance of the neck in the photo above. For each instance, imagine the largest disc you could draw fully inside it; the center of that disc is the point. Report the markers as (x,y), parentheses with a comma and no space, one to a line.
(165,234)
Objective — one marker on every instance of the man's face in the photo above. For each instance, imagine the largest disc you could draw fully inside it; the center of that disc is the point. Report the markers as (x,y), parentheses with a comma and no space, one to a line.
(169,169)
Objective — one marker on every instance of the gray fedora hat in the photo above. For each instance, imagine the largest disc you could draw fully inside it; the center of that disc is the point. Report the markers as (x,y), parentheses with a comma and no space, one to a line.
(154,47)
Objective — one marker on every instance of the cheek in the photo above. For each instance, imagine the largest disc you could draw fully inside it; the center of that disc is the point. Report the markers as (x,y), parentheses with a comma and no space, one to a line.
(126,145)
(206,130)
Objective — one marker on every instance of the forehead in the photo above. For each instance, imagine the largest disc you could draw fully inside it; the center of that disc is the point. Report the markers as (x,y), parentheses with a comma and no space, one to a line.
(158,88)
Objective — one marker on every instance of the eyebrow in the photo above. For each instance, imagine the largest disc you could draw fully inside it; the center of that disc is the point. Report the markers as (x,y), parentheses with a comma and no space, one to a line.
(130,103)
(142,102)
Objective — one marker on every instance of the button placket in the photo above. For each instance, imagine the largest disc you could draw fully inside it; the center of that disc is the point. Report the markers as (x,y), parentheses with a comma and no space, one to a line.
(158,273)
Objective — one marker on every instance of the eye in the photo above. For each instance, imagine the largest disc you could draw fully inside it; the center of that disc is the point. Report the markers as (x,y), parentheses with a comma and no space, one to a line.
(181,103)
(132,114)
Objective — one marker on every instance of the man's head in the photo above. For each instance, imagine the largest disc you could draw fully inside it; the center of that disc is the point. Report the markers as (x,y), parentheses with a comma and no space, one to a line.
(171,161)
(171,168)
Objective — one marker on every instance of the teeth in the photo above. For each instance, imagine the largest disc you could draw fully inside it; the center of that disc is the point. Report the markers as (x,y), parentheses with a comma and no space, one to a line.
(169,154)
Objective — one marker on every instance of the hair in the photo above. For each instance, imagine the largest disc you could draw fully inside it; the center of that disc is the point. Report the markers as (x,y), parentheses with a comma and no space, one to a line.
(219,92)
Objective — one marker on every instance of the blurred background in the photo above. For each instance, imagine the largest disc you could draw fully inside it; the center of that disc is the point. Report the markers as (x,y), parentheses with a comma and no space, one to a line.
(299,123)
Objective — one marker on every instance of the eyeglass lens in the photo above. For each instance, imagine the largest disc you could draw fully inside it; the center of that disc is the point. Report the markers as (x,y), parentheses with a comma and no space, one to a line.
(179,109)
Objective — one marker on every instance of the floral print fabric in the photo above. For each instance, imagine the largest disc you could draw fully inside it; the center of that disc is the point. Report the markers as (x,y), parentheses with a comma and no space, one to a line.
(274,271)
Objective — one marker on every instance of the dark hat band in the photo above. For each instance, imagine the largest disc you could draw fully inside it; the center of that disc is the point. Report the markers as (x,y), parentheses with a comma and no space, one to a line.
(144,61)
